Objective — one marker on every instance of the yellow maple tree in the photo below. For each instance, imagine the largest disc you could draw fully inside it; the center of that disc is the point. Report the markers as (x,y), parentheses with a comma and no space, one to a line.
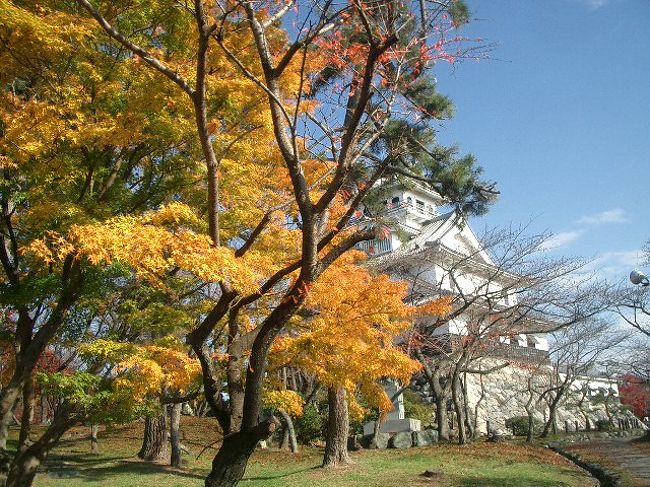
(351,340)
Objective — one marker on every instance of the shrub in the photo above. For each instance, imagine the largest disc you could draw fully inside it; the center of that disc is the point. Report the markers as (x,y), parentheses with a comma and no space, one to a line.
(356,424)
(518,425)
(605,425)
(415,408)
(310,426)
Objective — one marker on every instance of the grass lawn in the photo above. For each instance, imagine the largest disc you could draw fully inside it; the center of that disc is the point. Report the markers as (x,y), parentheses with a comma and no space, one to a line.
(477,465)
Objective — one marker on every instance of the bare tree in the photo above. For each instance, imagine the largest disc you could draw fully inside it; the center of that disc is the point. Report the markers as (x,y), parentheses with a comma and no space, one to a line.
(633,305)
(501,288)
(577,350)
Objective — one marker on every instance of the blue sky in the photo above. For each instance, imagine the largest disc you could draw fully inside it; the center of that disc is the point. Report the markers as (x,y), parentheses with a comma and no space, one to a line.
(559,116)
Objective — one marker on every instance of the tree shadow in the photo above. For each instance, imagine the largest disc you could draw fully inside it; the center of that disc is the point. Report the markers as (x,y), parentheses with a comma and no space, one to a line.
(89,471)
(81,459)
(508,482)
(282,475)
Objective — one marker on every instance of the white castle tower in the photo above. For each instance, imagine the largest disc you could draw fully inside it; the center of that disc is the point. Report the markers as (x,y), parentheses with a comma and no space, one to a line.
(440,248)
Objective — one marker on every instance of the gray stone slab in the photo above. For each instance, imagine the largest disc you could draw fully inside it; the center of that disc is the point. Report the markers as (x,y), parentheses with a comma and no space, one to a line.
(375,442)
(424,438)
(403,439)
(393,426)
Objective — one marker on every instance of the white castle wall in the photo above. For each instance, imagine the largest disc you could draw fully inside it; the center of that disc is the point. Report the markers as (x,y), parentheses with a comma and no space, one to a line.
(505,395)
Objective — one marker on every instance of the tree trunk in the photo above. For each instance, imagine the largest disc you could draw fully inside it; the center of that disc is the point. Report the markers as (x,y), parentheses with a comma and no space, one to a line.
(284,442)
(154,444)
(530,410)
(459,408)
(43,405)
(477,406)
(235,392)
(551,422)
(376,429)
(291,431)
(4,433)
(175,434)
(27,416)
(440,393)
(338,425)
(94,443)
(531,418)
(26,463)
(469,423)
(531,426)
(441,418)
(8,397)
(229,465)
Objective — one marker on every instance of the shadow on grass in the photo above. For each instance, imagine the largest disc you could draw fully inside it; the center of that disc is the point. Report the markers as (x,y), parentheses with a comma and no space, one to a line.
(283,475)
(508,482)
(80,459)
(90,469)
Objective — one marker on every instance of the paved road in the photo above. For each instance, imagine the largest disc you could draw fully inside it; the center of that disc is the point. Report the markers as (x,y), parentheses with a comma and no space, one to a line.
(623,452)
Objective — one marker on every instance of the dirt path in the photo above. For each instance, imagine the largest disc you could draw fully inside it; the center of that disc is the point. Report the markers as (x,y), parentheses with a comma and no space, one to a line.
(626,456)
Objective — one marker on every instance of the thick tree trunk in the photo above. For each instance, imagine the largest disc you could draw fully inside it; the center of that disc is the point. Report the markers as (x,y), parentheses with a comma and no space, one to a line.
(26,463)
(229,464)
(338,425)
(154,444)
(23,469)
(175,434)
(94,442)
(235,391)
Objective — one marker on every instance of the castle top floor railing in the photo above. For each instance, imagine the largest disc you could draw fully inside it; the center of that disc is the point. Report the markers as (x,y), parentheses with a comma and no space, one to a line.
(488,348)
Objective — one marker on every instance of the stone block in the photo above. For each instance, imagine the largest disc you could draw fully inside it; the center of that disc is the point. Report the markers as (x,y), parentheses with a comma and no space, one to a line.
(393,426)
(498,436)
(375,442)
(354,442)
(403,439)
(424,438)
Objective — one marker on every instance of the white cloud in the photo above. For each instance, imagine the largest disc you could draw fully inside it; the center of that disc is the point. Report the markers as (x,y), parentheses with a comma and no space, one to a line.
(615,266)
(560,240)
(615,215)
(594,4)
